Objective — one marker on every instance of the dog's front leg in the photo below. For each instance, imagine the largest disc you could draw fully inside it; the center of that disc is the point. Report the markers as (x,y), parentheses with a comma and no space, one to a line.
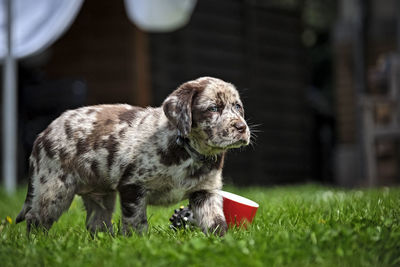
(207,210)
(133,206)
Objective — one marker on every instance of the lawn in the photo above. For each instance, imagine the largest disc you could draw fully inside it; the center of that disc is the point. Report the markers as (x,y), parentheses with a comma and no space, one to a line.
(295,226)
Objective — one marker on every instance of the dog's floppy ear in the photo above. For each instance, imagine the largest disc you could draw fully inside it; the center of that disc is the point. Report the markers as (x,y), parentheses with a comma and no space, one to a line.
(178,107)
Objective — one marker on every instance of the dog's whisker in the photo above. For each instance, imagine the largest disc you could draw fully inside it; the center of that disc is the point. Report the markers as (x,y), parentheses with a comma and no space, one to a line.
(253,127)
(255,130)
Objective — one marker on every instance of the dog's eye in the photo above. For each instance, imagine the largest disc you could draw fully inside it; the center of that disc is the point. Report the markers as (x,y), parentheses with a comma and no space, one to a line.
(238,107)
(213,109)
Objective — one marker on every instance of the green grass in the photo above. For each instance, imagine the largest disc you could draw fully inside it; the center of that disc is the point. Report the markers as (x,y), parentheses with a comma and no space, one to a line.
(294,226)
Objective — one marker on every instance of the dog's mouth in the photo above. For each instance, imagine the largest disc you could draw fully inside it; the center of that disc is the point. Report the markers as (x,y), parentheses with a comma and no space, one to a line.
(238,143)
(230,144)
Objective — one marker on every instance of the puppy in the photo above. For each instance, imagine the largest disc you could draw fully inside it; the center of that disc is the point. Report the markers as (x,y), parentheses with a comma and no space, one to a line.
(155,156)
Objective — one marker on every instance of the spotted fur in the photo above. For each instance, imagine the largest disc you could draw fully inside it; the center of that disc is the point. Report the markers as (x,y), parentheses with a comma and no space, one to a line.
(98,151)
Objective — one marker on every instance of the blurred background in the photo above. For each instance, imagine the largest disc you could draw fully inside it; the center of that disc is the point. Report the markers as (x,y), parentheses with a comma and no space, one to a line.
(319,77)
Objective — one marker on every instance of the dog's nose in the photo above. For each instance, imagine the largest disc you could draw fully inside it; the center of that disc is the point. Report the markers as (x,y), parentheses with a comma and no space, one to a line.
(240,126)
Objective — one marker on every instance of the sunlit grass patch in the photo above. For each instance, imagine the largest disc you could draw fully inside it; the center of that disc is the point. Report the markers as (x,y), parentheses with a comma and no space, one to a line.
(294,226)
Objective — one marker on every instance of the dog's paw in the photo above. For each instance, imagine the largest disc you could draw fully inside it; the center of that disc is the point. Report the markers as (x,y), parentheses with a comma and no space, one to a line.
(219,227)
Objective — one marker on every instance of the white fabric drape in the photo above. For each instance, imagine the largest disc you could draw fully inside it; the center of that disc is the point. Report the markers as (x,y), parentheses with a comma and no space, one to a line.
(37,24)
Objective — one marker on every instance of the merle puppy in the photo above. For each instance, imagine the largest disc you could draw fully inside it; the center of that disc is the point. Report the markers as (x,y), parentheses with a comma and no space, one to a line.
(155,156)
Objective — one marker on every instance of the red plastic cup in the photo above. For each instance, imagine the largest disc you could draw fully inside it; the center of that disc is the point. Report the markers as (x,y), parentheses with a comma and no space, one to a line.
(238,210)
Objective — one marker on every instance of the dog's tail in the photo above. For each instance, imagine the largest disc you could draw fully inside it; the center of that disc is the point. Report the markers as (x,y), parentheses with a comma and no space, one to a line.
(28,201)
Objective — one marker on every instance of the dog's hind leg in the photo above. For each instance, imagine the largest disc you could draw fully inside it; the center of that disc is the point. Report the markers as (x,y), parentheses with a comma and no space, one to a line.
(99,210)
(51,198)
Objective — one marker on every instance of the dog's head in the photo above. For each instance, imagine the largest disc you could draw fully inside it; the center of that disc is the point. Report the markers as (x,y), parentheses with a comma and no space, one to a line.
(210,113)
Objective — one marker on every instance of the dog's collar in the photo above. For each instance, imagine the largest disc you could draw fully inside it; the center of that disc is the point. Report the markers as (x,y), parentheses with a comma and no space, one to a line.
(185,143)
